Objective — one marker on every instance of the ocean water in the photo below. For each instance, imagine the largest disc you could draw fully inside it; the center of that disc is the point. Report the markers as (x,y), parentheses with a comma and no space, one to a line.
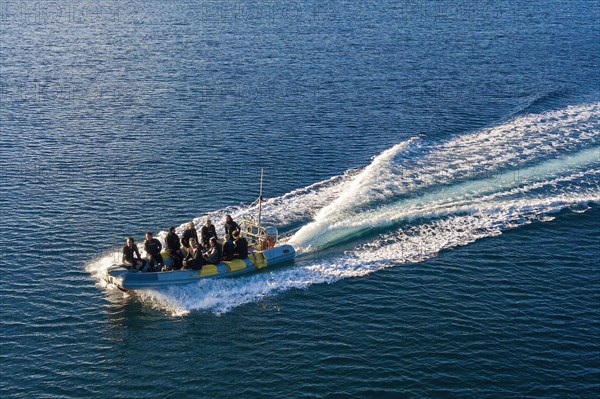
(435,164)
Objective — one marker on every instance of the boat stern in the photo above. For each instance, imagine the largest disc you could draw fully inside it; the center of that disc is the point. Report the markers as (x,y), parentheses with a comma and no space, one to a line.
(279,254)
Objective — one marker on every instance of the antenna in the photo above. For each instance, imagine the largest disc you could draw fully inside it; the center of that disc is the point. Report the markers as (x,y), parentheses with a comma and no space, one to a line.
(260,196)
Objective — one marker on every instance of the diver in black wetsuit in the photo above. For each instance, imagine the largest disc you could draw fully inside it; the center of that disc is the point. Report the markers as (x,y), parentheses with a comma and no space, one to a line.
(193,260)
(190,232)
(207,232)
(230,225)
(241,246)
(228,247)
(213,255)
(131,255)
(153,248)
(174,248)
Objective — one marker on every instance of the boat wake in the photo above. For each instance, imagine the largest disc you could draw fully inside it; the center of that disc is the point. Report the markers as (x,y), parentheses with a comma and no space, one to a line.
(412,201)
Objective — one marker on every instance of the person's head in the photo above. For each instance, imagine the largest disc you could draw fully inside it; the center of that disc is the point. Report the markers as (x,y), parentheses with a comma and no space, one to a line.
(148,235)
(226,237)
(172,229)
(191,225)
(193,242)
(213,242)
(228,218)
(129,241)
(235,234)
(208,223)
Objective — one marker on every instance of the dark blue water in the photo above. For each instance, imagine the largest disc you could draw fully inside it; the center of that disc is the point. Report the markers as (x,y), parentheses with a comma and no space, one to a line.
(436,164)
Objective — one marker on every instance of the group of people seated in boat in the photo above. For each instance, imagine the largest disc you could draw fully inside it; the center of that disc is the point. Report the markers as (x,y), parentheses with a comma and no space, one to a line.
(190,251)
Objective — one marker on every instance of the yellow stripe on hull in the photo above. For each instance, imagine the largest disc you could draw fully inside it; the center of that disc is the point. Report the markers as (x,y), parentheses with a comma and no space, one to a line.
(258,259)
(235,265)
(208,270)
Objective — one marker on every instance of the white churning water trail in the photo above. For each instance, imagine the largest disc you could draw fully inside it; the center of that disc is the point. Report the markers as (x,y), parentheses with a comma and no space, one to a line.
(413,200)
(330,229)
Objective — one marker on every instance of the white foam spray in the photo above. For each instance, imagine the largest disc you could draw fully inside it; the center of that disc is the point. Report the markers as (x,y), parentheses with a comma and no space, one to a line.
(413,200)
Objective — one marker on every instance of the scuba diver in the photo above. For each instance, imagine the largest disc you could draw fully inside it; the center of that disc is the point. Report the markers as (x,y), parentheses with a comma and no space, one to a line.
(228,247)
(129,250)
(190,232)
(207,232)
(230,225)
(240,246)
(213,255)
(174,248)
(193,260)
(153,248)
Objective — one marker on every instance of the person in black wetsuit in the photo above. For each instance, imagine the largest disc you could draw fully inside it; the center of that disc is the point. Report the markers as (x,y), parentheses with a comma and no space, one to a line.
(240,245)
(174,248)
(213,255)
(129,250)
(228,247)
(230,225)
(193,260)
(153,248)
(207,232)
(190,232)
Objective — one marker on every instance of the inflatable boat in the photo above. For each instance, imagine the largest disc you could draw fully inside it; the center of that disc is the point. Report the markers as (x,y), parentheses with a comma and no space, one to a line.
(127,279)
(263,252)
